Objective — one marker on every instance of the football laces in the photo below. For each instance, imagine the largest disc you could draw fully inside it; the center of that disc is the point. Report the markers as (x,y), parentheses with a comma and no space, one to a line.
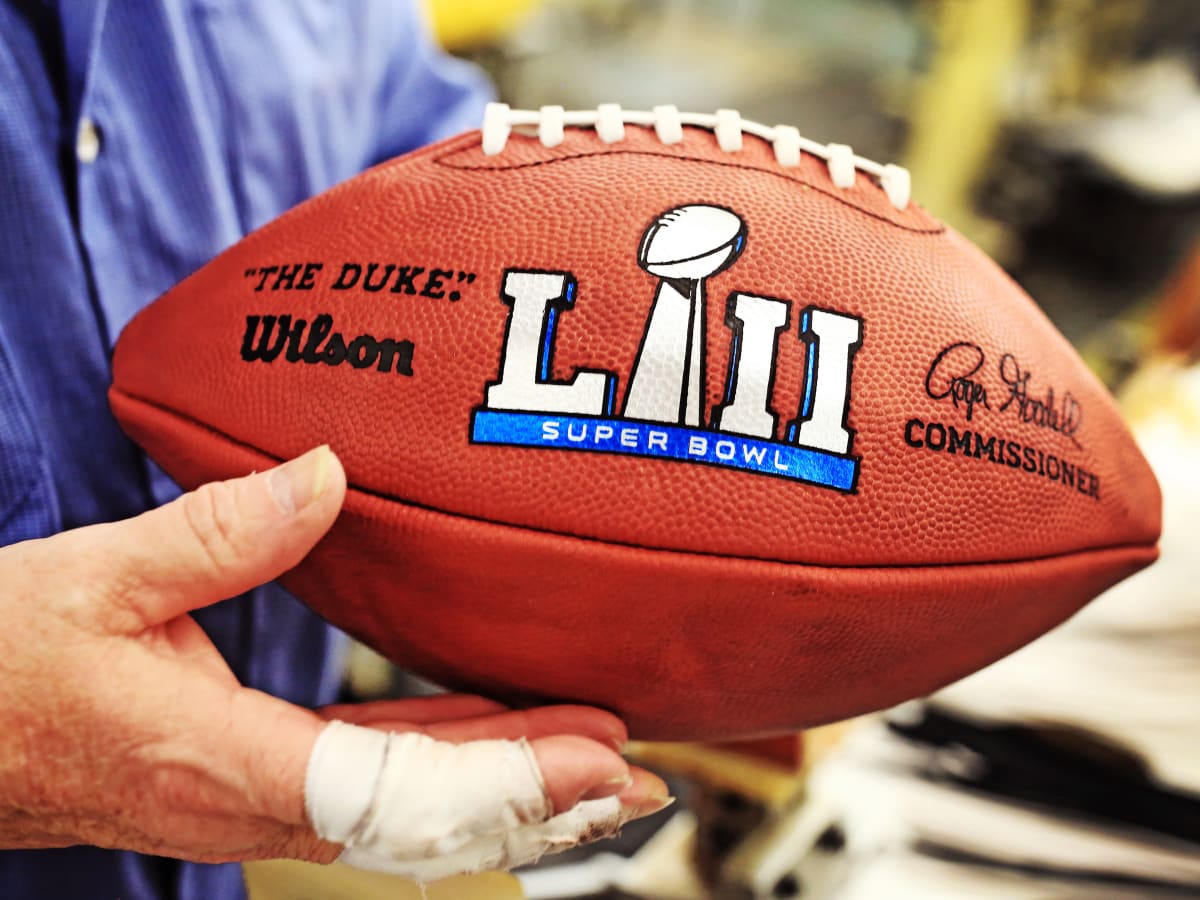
(609,121)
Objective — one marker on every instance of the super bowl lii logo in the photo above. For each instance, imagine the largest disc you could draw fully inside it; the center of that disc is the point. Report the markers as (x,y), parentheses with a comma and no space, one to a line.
(662,413)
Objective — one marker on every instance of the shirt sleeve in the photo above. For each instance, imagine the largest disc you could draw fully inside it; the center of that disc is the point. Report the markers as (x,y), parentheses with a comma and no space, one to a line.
(28,505)
(426,94)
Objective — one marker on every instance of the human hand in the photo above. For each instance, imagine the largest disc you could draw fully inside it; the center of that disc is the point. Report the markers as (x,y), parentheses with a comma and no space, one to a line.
(454,786)
(125,728)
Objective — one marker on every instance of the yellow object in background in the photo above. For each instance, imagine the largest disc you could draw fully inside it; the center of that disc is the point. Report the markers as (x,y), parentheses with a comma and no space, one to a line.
(470,23)
(956,116)
(282,879)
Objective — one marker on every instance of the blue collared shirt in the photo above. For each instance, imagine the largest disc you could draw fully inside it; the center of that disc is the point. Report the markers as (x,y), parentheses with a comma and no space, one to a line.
(137,140)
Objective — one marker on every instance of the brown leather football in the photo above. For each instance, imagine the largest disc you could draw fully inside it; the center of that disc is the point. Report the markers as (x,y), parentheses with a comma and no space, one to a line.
(679,415)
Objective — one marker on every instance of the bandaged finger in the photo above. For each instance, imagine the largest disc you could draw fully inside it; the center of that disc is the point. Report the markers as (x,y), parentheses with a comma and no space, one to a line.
(586,821)
(408,797)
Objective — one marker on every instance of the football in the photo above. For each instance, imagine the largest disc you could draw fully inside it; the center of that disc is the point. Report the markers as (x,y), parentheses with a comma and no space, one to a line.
(676,414)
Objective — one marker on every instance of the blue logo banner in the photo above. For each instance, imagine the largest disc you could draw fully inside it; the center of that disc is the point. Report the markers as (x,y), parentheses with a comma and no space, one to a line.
(622,436)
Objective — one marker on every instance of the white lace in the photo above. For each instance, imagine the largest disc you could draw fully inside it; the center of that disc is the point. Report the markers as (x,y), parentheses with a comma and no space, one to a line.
(610,120)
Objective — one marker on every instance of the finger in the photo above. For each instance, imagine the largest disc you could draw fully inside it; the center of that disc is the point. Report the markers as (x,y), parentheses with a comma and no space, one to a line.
(409,795)
(573,771)
(583,823)
(218,541)
(499,849)
(413,710)
(265,745)
(645,795)
(401,800)
(542,721)
(576,768)
(509,725)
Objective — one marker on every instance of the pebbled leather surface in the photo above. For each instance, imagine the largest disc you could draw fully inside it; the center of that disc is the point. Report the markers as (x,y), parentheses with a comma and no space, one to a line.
(682,646)
(903,571)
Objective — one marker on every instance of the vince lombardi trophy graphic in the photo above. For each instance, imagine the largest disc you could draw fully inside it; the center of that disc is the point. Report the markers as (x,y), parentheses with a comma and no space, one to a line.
(683,247)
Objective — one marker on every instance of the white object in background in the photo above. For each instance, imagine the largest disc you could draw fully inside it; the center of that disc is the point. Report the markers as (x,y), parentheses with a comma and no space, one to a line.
(1128,664)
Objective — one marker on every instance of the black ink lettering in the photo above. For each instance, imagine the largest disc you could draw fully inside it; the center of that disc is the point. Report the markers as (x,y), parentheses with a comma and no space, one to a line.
(911,427)
(433,285)
(334,353)
(404,279)
(1064,417)
(286,279)
(307,280)
(265,272)
(321,326)
(938,437)
(940,430)
(295,335)
(950,376)
(265,351)
(959,441)
(363,351)
(981,447)
(461,277)
(265,337)
(382,283)
(400,351)
(348,277)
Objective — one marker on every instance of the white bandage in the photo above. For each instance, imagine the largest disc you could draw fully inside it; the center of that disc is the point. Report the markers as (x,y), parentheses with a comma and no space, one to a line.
(411,805)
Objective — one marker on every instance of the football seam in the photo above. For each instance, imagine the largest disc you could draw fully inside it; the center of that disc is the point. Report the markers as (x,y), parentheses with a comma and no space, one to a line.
(414,504)
(444,160)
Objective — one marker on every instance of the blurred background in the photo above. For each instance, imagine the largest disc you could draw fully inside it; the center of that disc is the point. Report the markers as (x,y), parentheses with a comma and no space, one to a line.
(1063,137)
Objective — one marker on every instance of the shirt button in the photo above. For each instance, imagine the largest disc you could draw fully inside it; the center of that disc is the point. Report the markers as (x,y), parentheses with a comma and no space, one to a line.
(87,141)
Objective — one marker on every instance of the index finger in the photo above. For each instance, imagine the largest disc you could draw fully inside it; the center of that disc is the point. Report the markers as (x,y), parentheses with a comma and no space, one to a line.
(541,721)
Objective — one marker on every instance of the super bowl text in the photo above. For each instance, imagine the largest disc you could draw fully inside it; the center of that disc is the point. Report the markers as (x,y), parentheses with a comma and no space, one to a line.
(662,414)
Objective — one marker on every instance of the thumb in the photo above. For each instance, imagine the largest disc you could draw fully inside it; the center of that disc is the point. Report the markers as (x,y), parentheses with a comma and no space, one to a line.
(220,540)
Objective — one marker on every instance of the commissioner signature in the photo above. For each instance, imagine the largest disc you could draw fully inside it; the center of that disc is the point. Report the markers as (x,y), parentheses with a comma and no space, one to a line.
(959,374)
(952,376)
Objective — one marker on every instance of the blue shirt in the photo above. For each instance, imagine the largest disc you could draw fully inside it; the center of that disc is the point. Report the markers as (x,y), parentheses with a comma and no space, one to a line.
(137,140)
